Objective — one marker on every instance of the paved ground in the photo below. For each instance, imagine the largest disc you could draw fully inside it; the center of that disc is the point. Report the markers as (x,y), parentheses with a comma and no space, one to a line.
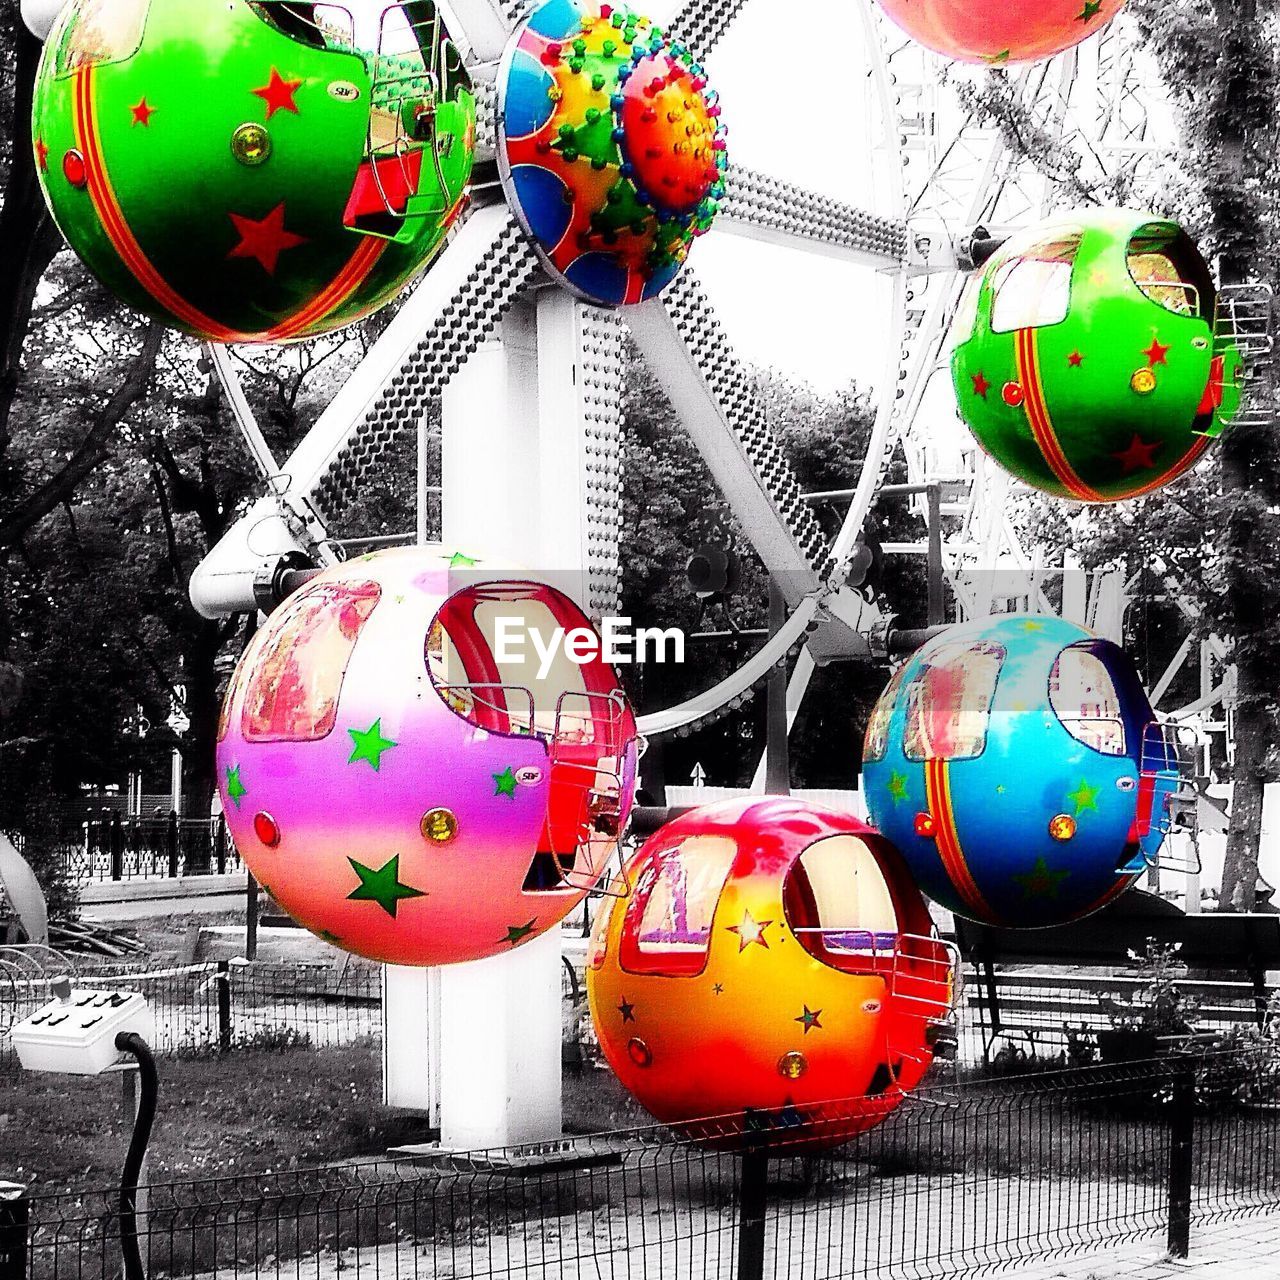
(1245,1248)
(659,1247)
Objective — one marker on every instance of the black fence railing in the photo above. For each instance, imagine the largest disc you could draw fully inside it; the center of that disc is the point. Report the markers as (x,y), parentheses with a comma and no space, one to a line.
(224,1005)
(111,847)
(961,1179)
(1013,1015)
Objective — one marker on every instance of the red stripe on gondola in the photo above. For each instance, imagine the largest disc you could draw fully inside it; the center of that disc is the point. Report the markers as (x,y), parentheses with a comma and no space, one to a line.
(1046,437)
(938,794)
(105,202)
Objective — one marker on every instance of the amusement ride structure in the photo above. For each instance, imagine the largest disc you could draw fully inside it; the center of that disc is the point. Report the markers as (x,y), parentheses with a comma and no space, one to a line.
(547,170)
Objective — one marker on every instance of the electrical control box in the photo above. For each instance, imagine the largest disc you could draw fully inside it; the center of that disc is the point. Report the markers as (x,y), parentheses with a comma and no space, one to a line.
(75,1033)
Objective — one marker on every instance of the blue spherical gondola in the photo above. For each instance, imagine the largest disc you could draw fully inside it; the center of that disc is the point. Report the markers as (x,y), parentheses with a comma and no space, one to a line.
(1018,765)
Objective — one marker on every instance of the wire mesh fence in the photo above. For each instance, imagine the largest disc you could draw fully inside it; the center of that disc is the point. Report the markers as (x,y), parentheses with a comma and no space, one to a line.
(223,1005)
(963,1178)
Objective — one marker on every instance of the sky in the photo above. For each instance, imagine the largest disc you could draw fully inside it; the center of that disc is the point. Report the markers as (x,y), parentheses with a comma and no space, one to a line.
(804,119)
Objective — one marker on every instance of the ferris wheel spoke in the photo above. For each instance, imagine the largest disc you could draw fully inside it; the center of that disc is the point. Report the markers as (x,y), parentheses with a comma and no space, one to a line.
(701,24)
(765,208)
(714,702)
(685,347)
(485,26)
(459,302)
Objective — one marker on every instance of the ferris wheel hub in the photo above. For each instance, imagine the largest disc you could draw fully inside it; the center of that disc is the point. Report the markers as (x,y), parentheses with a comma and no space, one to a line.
(611,149)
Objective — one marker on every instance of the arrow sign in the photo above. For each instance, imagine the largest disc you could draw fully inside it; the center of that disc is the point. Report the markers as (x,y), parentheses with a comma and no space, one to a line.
(699,775)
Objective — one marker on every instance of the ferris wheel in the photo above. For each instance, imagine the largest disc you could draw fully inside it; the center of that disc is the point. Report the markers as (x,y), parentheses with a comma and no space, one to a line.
(570,233)
(552,168)
(944,171)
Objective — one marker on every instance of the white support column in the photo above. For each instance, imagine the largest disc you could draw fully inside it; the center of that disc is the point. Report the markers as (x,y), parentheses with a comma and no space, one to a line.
(579,434)
(489,446)
(530,474)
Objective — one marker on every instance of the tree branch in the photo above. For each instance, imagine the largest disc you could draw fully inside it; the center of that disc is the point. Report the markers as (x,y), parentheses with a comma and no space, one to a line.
(92,449)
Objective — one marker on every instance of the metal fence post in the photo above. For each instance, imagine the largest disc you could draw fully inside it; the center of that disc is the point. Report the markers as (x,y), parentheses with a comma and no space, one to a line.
(251,918)
(220,842)
(15,1229)
(753,1205)
(223,982)
(1182,1133)
(172,835)
(116,838)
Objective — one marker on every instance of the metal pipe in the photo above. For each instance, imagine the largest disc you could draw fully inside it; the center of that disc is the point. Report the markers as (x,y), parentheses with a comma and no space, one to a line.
(910,639)
(149,1086)
(937,603)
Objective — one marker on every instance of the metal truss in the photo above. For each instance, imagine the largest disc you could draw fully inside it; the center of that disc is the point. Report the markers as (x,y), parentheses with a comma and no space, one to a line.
(767,208)
(701,24)
(458,304)
(717,401)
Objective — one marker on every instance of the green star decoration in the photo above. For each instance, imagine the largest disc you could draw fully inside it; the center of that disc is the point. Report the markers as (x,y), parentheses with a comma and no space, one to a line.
(1091,10)
(504,783)
(330,937)
(810,1019)
(1041,883)
(897,787)
(519,932)
(459,561)
(382,886)
(1084,797)
(236,790)
(369,744)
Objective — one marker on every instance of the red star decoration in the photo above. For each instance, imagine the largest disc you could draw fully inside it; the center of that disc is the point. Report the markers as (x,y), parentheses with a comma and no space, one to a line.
(265,240)
(750,932)
(142,114)
(1139,456)
(42,155)
(1075,359)
(980,385)
(278,93)
(1156,353)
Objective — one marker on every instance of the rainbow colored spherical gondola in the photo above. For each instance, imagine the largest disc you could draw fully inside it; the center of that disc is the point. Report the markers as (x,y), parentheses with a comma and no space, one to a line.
(775,967)
(996,32)
(611,149)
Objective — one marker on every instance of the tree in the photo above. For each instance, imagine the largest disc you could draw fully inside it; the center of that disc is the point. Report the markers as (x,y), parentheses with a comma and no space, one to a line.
(667,490)
(1214,536)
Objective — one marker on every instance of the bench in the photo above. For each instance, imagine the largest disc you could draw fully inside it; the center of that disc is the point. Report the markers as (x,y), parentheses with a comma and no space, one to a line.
(1231,955)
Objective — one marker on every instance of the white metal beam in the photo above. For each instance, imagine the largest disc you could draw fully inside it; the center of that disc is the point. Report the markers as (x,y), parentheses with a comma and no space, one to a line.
(717,404)
(764,208)
(458,302)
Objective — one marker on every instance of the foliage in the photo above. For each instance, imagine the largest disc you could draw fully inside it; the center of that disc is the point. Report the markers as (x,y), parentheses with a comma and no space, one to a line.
(1081,1045)
(1254,1053)
(1159,1007)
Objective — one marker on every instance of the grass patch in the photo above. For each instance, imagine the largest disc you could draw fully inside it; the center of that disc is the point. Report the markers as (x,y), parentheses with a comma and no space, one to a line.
(248,1112)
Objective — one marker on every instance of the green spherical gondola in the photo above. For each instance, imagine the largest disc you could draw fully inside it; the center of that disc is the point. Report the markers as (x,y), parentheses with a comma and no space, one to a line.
(1090,359)
(263,171)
